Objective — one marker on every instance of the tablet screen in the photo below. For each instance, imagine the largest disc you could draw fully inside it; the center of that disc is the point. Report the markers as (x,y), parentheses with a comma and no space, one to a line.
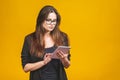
(64,49)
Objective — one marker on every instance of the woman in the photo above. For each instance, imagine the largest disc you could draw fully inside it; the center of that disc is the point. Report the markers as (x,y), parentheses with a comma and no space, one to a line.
(39,45)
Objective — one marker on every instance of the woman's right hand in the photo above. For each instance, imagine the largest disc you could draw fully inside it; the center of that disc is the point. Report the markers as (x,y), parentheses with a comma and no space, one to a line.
(47,58)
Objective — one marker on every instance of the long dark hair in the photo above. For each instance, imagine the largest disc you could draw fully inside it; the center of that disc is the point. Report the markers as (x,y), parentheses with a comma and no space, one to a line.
(37,43)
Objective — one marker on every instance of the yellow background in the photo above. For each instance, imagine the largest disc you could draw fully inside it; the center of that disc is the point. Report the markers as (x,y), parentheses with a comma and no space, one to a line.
(93,27)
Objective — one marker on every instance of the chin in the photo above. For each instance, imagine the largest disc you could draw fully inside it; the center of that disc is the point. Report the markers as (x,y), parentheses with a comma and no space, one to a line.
(49,30)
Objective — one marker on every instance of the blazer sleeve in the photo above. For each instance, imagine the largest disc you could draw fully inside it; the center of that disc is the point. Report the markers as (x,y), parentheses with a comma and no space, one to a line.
(25,54)
(66,43)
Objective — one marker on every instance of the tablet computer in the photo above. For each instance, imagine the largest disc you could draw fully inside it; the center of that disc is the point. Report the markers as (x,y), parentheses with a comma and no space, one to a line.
(64,49)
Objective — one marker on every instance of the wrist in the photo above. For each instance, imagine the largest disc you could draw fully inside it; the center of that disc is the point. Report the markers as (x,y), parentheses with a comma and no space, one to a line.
(63,58)
(43,63)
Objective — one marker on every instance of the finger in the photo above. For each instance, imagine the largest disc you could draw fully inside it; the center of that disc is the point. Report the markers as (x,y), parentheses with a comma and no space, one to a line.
(49,54)
(58,54)
(61,52)
(61,55)
(46,54)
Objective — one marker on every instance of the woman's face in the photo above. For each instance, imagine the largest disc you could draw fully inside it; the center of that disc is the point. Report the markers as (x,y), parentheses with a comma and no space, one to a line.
(50,23)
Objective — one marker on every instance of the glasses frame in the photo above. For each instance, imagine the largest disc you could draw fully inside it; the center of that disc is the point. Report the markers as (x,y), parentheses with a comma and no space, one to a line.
(50,21)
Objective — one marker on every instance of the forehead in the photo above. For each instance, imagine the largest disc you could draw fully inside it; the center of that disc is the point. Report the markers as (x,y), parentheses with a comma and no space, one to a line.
(52,16)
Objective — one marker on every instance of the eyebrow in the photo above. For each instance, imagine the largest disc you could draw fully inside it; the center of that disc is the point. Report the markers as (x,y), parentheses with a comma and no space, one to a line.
(51,19)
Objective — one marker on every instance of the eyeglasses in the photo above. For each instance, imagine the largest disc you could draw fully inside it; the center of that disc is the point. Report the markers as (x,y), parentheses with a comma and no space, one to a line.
(49,21)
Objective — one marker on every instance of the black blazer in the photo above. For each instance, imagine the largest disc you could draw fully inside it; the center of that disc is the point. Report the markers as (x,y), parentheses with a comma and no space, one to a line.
(26,57)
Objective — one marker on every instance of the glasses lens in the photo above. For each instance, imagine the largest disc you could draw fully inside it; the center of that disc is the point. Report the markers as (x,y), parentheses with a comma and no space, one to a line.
(49,21)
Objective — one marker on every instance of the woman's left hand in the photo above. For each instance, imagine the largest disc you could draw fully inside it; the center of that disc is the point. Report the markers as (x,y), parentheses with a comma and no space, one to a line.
(62,55)
(64,58)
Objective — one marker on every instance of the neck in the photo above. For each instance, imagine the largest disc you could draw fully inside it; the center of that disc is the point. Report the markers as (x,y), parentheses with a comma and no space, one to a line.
(47,34)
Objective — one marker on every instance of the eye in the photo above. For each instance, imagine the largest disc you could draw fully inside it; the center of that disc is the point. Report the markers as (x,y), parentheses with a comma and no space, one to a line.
(54,20)
(48,19)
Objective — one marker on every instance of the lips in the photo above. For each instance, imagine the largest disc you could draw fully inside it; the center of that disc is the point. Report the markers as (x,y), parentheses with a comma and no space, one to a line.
(50,27)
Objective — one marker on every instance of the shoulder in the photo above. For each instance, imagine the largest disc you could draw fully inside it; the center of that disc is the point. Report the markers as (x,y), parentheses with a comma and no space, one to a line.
(28,38)
(65,38)
(64,34)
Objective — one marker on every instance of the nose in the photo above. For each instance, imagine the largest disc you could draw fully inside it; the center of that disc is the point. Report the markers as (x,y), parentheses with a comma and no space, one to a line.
(52,23)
